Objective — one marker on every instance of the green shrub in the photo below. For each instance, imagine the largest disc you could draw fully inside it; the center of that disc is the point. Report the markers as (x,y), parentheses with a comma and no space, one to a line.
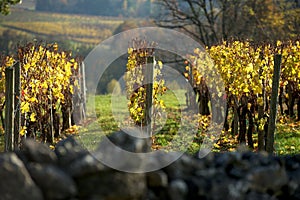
(113,86)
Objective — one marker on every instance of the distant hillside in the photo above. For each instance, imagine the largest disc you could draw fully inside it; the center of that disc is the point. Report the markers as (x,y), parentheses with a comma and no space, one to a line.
(78,33)
(125,8)
(26,4)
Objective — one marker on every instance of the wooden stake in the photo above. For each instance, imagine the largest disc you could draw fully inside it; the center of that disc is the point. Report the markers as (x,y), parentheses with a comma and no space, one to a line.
(9,109)
(273,104)
(17,105)
(149,94)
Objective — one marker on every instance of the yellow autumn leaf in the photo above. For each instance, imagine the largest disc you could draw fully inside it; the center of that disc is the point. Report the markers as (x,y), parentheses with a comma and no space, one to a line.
(293,148)
(44,85)
(130,50)
(23,130)
(26,67)
(278,43)
(32,117)
(249,68)
(257,90)
(55,46)
(220,94)
(24,107)
(75,65)
(246,90)
(76,83)
(32,99)
(260,101)
(71,89)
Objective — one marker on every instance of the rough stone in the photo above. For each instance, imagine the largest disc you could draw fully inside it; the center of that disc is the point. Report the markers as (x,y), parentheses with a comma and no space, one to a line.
(178,190)
(69,150)
(53,181)
(130,142)
(291,164)
(15,181)
(222,186)
(112,185)
(75,174)
(84,166)
(293,187)
(259,196)
(122,152)
(198,187)
(237,169)
(37,152)
(188,165)
(157,179)
(268,179)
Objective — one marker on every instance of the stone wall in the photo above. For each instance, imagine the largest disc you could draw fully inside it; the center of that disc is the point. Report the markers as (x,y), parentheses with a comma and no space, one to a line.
(70,172)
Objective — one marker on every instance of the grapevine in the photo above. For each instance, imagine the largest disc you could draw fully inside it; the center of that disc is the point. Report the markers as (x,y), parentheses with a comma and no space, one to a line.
(247,71)
(135,86)
(48,78)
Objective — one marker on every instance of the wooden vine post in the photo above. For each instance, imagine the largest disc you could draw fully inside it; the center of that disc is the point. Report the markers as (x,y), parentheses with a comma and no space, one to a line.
(273,104)
(83,90)
(12,107)
(191,95)
(9,109)
(149,94)
(79,97)
(17,105)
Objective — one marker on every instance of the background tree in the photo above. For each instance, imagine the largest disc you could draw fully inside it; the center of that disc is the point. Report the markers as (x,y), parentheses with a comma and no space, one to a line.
(291,11)
(211,21)
(5,4)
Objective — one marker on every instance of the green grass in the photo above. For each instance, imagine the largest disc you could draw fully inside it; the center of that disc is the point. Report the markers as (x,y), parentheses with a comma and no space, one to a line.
(102,122)
(110,113)
(286,139)
(175,99)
